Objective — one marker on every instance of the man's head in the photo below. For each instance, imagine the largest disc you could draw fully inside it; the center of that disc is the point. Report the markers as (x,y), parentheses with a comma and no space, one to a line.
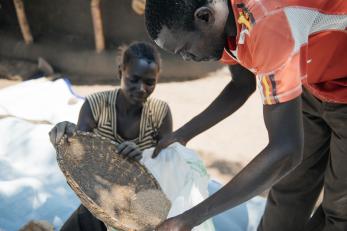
(192,28)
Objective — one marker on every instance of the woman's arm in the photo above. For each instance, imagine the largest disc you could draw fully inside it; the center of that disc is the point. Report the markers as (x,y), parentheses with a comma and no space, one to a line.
(86,120)
(85,123)
(166,126)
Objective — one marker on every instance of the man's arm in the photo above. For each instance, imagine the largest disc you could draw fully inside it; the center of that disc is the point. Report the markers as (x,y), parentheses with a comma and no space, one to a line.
(233,96)
(282,154)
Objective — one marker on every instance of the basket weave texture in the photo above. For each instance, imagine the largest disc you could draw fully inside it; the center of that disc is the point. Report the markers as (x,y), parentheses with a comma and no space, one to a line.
(117,190)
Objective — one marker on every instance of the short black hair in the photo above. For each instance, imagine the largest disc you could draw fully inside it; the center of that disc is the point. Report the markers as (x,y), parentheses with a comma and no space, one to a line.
(139,50)
(170,13)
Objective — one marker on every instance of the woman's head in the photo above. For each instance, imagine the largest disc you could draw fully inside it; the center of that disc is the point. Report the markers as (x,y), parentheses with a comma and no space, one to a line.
(139,67)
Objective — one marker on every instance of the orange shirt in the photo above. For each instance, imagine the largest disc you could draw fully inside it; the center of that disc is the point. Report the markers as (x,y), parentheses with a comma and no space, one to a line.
(288,43)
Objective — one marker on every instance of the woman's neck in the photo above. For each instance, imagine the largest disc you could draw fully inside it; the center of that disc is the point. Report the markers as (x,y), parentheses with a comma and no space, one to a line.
(123,105)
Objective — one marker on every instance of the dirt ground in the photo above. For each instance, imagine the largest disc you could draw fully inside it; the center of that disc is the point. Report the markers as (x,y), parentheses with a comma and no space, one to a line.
(226,147)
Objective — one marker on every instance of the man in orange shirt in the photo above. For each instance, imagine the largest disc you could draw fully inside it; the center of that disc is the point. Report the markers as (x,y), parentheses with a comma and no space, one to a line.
(296,51)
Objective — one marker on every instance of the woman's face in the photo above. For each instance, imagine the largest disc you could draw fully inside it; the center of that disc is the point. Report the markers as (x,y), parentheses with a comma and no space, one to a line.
(138,80)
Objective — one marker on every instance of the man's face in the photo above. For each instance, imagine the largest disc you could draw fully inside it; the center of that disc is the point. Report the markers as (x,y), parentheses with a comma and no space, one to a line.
(192,45)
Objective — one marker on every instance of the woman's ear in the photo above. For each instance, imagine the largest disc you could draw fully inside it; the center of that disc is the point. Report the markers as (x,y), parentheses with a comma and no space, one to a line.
(158,72)
(120,71)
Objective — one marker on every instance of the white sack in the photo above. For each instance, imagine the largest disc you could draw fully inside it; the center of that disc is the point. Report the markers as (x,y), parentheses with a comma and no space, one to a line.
(31,183)
(182,176)
(41,100)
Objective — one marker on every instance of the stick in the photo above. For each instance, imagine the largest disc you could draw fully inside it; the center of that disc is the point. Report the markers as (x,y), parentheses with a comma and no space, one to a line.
(97,23)
(23,22)
(139,6)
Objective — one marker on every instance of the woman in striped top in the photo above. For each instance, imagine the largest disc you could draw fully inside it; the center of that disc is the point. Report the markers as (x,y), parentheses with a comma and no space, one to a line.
(125,115)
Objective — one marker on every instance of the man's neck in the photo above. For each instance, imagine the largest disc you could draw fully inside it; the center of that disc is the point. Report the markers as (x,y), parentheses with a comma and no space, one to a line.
(230,25)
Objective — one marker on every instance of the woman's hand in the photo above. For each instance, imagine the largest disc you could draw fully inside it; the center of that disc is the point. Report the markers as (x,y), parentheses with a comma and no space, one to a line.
(58,131)
(129,149)
(166,141)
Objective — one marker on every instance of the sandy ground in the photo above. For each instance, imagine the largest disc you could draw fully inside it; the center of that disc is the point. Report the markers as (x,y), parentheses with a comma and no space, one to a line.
(226,147)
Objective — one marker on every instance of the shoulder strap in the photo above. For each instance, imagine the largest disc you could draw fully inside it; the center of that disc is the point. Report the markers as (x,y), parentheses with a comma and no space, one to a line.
(157,110)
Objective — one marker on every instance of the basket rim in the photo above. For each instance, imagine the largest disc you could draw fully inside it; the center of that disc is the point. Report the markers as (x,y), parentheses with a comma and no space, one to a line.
(94,208)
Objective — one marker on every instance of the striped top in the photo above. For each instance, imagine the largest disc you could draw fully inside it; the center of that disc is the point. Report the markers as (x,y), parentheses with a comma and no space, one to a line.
(103,106)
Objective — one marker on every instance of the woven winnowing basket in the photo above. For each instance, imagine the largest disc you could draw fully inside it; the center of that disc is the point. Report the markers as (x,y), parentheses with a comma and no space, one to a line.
(117,190)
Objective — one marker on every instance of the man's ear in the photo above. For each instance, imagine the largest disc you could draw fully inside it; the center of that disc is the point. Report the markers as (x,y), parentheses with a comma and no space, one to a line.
(204,16)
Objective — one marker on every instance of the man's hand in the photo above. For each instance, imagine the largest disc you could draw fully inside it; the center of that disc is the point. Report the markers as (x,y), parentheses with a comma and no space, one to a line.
(58,131)
(130,149)
(166,141)
(174,224)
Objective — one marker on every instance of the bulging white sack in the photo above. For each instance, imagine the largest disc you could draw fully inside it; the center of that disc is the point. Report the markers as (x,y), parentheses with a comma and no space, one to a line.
(183,178)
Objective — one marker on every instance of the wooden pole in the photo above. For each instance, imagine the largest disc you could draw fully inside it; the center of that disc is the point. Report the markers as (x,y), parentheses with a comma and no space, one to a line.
(97,23)
(23,22)
(139,6)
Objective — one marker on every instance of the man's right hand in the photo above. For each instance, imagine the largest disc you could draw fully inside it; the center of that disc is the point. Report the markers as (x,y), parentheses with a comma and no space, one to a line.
(60,129)
(166,141)
(174,224)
